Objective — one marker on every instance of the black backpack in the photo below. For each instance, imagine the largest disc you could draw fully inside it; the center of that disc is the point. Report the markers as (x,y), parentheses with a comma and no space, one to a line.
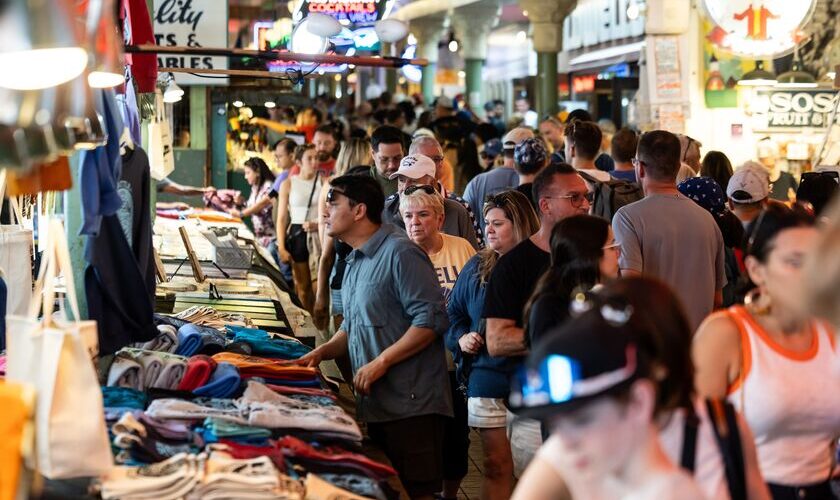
(611,195)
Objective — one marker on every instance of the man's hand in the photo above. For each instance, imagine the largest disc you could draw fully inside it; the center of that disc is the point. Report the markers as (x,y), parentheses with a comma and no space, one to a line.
(234,212)
(285,256)
(209,189)
(368,374)
(312,359)
(471,342)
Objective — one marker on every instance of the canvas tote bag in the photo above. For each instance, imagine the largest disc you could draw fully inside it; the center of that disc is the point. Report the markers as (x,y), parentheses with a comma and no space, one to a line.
(15,257)
(161,154)
(54,357)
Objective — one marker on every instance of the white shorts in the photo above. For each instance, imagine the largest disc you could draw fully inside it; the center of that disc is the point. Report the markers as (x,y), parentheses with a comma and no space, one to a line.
(486,413)
(525,436)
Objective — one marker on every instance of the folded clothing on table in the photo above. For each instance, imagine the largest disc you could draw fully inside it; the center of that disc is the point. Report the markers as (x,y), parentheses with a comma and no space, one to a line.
(168,480)
(190,340)
(213,340)
(279,372)
(149,440)
(197,410)
(207,316)
(166,340)
(296,450)
(224,383)
(123,397)
(215,429)
(199,370)
(263,344)
(141,369)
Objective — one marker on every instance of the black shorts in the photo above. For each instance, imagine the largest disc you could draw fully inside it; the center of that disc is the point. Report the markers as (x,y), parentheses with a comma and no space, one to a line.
(414,446)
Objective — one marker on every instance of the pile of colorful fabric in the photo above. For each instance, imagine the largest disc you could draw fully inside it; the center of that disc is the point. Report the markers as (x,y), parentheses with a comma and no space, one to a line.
(225,411)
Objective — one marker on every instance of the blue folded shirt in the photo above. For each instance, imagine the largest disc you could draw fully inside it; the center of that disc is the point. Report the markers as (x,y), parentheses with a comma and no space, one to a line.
(222,384)
(189,340)
(264,345)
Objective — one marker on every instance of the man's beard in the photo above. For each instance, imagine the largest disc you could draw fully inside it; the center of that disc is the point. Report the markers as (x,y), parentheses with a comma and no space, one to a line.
(323,156)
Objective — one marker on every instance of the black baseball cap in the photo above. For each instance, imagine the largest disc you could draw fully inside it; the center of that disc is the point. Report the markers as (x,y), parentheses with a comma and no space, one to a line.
(591,355)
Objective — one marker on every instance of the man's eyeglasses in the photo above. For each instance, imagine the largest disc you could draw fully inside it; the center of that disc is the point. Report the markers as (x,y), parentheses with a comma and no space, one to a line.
(419,187)
(576,199)
(333,192)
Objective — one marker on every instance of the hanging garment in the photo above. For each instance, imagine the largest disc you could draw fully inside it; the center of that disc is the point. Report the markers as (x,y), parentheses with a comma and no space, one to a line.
(137,26)
(125,313)
(135,215)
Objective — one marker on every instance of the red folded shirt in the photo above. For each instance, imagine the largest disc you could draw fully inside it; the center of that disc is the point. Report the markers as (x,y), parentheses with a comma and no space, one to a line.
(199,370)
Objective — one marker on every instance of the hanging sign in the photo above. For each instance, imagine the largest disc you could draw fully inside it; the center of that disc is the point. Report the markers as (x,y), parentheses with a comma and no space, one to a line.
(758,28)
(191,23)
(785,109)
(347,12)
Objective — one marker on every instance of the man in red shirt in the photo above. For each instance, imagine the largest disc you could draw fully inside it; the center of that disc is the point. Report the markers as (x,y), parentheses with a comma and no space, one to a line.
(326,145)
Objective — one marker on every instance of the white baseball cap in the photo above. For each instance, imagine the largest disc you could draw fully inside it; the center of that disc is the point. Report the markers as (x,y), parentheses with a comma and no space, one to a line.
(750,183)
(415,166)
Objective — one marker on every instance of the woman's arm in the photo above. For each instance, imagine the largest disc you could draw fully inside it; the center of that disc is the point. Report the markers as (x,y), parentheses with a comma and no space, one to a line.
(716,351)
(320,313)
(280,223)
(262,202)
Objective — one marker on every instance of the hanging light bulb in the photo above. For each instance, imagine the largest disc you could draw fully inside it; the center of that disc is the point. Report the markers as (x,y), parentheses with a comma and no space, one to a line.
(109,69)
(453,46)
(173,92)
(238,104)
(38,46)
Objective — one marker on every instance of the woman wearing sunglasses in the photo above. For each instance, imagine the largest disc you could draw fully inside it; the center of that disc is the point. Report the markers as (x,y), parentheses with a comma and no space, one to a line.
(583,254)
(509,220)
(775,362)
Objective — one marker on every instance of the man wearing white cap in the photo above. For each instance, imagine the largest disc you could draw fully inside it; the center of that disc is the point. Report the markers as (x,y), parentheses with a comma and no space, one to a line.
(418,169)
(498,179)
(748,191)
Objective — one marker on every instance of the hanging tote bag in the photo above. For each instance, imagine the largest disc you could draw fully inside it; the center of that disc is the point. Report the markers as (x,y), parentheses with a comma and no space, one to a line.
(161,155)
(15,256)
(54,357)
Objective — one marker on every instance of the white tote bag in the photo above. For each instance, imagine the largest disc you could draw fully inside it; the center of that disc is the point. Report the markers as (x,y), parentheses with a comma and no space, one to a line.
(54,357)
(161,155)
(15,257)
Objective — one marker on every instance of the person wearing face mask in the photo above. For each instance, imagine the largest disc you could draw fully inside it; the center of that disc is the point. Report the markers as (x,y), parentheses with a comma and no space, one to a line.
(422,210)
(775,362)
(584,253)
(419,169)
(509,220)
(594,386)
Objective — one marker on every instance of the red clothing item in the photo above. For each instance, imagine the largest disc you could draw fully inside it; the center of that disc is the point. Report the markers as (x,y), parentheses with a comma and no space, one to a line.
(327,168)
(135,16)
(756,21)
(293,447)
(199,370)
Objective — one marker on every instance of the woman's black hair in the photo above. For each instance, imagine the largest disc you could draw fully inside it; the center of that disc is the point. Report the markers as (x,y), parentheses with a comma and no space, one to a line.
(761,233)
(258,165)
(818,189)
(666,340)
(577,246)
(717,166)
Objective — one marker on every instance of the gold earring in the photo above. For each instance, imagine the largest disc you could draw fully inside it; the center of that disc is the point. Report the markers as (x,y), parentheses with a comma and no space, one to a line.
(759,302)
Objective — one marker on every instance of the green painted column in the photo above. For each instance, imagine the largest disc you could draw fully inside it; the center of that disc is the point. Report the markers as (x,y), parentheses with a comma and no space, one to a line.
(198,117)
(427,82)
(76,244)
(218,142)
(474,82)
(390,73)
(547,83)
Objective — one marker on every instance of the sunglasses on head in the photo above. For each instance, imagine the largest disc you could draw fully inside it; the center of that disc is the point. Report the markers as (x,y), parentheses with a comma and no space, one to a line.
(419,187)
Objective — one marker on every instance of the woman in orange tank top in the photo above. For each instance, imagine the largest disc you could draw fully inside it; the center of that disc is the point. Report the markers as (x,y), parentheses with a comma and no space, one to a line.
(775,362)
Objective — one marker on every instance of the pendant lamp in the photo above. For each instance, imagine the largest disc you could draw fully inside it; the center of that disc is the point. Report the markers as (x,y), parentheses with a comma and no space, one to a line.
(796,77)
(758,76)
(81,116)
(172,93)
(28,134)
(105,46)
(38,45)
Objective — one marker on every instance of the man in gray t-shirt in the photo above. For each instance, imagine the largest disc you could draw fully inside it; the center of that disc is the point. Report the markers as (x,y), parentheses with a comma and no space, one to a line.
(668,236)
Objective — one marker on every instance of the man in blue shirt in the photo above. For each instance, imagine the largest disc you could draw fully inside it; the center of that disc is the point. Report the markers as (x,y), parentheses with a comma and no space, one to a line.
(394,321)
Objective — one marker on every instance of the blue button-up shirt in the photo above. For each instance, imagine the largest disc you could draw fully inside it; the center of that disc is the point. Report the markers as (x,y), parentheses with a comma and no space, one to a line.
(389,286)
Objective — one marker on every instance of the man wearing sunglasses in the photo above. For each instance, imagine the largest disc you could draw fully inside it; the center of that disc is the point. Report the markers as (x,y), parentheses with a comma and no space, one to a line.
(668,236)
(419,169)
(394,320)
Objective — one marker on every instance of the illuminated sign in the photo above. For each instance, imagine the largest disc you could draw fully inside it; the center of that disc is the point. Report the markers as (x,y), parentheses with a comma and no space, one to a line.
(191,23)
(411,72)
(758,28)
(583,84)
(775,109)
(347,12)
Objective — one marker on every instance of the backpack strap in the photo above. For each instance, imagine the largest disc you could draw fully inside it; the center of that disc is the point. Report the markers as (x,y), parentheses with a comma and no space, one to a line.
(725,424)
(688,457)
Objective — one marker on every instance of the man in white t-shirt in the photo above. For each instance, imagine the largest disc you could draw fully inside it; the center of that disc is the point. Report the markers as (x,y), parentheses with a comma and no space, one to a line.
(667,235)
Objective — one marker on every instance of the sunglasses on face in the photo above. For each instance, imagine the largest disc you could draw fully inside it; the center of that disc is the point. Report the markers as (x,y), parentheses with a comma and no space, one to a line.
(333,193)
(419,187)
(576,199)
